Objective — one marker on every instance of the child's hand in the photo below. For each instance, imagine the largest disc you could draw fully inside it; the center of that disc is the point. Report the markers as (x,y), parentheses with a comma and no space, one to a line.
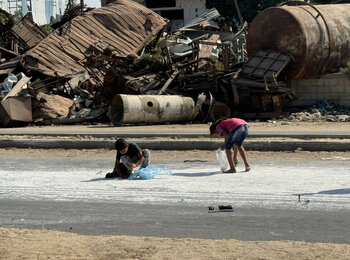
(133,165)
(224,133)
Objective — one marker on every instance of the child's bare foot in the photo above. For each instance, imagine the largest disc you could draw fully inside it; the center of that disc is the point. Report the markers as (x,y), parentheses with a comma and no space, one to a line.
(230,171)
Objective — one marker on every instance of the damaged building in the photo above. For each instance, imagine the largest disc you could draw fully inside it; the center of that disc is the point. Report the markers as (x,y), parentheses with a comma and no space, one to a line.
(115,66)
(177,12)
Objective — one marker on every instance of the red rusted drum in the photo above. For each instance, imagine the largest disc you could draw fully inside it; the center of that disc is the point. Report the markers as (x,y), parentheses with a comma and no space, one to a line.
(317,37)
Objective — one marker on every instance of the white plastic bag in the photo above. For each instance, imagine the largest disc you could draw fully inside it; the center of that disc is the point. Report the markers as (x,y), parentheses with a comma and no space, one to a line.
(148,173)
(222,159)
(9,82)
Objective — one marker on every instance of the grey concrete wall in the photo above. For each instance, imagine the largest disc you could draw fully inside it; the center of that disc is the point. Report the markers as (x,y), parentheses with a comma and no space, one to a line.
(334,87)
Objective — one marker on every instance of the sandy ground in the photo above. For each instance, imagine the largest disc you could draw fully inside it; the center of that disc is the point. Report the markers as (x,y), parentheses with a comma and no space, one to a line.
(44,244)
(48,244)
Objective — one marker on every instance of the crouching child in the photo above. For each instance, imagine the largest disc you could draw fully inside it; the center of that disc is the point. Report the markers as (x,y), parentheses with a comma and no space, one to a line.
(128,157)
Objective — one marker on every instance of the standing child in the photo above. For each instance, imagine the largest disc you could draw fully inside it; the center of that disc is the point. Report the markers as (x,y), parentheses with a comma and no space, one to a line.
(129,156)
(234,130)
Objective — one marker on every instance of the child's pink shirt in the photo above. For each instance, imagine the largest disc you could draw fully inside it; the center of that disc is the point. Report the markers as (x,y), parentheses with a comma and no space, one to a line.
(230,124)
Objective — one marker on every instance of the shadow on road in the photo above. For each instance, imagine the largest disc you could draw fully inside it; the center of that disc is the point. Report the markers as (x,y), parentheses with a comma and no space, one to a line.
(191,174)
(329,192)
(99,179)
(338,191)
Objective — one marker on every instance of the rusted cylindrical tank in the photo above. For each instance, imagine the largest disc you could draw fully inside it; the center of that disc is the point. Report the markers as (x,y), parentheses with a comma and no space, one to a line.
(134,109)
(317,37)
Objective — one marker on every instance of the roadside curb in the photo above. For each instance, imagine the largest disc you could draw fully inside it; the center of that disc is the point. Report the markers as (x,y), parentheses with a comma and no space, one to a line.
(176,145)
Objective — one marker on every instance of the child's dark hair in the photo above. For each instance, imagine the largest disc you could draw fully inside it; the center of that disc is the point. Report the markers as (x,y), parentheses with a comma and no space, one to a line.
(120,144)
(213,126)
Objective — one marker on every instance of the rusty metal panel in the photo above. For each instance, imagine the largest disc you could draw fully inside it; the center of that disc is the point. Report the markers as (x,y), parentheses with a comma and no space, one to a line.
(316,36)
(256,103)
(267,103)
(277,103)
(124,25)
(265,64)
(28,32)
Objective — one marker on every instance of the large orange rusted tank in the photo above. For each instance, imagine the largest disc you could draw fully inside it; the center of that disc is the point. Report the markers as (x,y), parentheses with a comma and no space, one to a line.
(317,37)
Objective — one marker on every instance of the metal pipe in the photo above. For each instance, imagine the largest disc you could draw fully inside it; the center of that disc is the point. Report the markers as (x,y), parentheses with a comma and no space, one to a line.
(133,109)
(239,12)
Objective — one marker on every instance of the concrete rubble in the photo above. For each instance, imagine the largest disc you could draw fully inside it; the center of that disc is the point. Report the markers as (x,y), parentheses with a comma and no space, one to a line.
(79,72)
(323,111)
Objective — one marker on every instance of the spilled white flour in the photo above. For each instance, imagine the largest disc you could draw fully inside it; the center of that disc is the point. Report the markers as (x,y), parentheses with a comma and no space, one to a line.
(280,185)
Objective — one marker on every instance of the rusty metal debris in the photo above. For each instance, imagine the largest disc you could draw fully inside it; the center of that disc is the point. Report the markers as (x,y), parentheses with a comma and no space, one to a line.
(27,33)
(123,26)
(131,109)
(316,36)
(119,65)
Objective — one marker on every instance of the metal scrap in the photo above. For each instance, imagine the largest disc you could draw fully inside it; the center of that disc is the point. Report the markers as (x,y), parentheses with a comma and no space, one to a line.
(115,26)
(27,33)
(94,65)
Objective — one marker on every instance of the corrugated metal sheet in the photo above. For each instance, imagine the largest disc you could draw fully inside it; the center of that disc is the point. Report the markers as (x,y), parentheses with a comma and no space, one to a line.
(124,25)
(28,32)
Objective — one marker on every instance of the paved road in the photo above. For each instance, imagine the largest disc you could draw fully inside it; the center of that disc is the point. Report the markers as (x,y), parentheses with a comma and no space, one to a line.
(277,200)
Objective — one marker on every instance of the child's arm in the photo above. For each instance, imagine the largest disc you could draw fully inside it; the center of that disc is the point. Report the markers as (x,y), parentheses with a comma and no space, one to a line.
(117,169)
(139,161)
(224,133)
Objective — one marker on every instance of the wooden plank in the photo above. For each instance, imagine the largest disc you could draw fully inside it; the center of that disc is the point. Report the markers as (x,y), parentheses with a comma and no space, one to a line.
(168,82)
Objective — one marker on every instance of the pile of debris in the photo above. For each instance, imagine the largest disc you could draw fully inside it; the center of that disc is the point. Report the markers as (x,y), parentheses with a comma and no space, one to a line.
(323,111)
(115,65)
